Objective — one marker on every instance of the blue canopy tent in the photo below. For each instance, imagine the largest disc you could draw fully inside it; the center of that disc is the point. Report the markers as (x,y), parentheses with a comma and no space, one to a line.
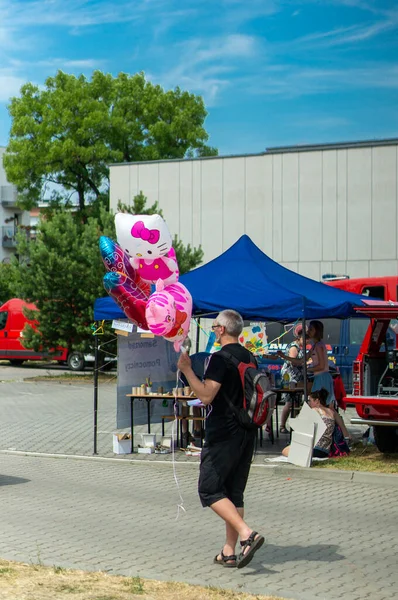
(106,309)
(247,280)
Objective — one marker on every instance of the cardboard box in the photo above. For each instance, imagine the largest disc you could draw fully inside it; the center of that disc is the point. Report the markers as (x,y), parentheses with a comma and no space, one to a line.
(147,450)
(148,440)
(122,443)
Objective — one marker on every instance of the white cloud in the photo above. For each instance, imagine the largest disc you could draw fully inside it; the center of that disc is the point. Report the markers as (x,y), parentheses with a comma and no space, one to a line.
(64,63)
(289,82)
(348,35)
(231,46)
(206,65)
(238,11)
(74,13)
(9,85)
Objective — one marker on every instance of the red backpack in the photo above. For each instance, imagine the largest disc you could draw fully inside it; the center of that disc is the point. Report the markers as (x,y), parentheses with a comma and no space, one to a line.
(257,394)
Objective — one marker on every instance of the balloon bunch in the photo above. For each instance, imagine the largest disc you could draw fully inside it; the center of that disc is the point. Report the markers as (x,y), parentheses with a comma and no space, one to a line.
(143,256)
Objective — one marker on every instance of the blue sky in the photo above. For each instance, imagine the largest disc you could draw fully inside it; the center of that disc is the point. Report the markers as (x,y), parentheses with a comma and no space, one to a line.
(272,72)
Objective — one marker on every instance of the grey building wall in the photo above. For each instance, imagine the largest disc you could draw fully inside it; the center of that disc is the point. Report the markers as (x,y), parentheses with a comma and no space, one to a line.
(320,209)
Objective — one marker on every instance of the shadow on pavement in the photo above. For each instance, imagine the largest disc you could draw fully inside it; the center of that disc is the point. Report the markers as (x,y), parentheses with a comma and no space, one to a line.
(9,480)
(315,553)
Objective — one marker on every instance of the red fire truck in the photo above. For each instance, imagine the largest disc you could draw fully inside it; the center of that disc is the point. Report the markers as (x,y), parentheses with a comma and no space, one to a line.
(375,376)
(383,288)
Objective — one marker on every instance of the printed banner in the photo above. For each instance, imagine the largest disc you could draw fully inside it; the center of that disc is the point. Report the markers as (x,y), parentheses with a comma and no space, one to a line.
(253,337)
(141,358)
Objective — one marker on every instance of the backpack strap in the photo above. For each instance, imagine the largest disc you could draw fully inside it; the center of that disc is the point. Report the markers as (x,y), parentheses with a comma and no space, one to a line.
(230,357)
(234,360)
(236,363)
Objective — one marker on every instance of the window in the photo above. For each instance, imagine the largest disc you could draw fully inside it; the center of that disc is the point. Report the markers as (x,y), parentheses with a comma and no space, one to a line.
(331,331)
(358,329)
(391,335)
(376,291)
(3,319)
(274,330)
(288,337)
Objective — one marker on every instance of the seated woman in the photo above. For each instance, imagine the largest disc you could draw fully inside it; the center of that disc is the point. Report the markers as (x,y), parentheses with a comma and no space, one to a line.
(317,401)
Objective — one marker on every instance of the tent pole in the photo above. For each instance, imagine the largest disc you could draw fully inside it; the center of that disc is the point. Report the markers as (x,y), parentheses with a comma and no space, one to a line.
(305,362)
(95,388)
(197,334)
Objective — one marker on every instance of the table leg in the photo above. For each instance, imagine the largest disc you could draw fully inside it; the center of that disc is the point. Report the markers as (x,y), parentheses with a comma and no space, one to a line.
(148,413)
(132,424)
(293,410)
(276,417)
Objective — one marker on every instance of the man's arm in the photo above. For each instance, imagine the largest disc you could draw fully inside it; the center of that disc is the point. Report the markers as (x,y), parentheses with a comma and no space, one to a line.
(204,390)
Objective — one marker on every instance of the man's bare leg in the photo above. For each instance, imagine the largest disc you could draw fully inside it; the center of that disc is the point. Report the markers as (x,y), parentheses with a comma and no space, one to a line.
(231,537)
(233,518)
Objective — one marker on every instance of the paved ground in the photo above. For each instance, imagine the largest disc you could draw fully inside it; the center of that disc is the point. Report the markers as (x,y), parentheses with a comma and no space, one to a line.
(51,417)
(325,539)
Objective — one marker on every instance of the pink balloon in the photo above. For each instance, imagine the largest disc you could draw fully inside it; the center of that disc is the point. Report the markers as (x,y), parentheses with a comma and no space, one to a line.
(168,312)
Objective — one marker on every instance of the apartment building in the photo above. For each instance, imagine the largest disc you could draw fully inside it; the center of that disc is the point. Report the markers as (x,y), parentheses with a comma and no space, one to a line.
(11,217)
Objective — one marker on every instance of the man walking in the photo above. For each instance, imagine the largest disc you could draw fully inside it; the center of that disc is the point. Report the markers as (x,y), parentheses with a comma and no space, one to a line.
(228,448)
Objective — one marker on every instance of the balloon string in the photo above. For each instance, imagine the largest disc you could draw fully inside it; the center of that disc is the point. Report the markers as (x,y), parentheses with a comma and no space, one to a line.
(180,505)
(283,334)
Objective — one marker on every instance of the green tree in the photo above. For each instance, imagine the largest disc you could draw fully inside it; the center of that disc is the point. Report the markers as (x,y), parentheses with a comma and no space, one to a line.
(70,131)
(62,274)
(9,280)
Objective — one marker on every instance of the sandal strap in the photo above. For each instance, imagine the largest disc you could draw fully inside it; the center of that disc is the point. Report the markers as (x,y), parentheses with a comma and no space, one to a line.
(227,558)
(250,540)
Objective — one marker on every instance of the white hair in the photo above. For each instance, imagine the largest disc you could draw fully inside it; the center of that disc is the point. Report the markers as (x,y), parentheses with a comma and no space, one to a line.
(232,321)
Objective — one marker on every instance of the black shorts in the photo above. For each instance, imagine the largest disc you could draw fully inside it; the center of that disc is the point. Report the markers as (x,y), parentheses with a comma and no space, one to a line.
(224,469)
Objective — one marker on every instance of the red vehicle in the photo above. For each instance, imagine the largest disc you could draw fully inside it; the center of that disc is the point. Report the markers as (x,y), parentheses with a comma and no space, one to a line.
(383,288)
(375,376)
(12,323)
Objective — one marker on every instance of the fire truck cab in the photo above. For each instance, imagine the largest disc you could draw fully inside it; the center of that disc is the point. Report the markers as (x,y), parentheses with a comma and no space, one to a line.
(375,376)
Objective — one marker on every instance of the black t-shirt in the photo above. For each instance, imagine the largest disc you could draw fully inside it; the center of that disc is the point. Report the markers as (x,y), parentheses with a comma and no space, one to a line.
(221,424)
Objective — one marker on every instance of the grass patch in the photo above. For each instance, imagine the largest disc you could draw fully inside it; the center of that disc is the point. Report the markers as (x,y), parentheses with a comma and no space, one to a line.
(362,458)
(43,583)
(6,571)
(76,378)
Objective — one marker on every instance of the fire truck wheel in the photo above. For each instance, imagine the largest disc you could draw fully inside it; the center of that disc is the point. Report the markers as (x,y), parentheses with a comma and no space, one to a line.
(386,438)
(76,361)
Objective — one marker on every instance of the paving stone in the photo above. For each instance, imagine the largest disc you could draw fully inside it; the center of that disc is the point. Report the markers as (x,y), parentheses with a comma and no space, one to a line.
(325,539)
(109,516)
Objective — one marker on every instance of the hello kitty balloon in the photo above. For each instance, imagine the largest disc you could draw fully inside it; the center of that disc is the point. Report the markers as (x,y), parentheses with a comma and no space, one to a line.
(147,242)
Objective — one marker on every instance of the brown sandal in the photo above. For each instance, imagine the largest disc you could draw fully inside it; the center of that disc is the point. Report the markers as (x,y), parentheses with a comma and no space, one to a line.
(253,543)
(226,561)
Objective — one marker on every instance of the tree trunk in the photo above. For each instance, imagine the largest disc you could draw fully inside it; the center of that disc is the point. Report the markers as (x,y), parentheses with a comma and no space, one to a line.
(80,191)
